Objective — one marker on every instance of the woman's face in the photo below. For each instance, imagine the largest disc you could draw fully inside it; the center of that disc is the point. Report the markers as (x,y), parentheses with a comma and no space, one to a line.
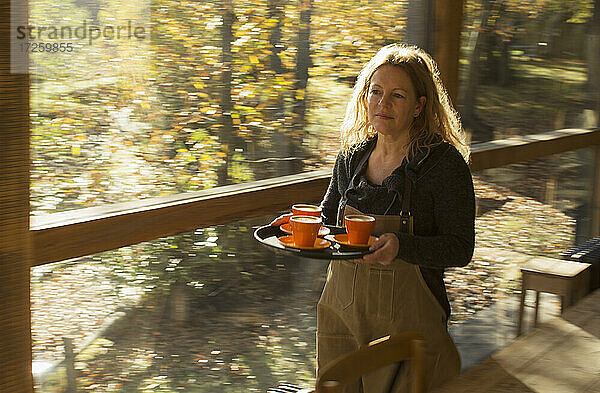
(391,101)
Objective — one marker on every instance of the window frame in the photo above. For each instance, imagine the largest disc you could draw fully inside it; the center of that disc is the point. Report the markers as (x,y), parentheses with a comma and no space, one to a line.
(72,234)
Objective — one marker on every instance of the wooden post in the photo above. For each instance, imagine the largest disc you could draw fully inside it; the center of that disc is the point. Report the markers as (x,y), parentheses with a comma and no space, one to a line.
(595,230)
(15,325)
(594,94)
(550,189)
(70,365)
(593,59)
(448,16)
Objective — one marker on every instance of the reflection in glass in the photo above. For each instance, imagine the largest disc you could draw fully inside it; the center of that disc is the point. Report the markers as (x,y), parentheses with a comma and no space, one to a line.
(213,309)
(206,311)
(535,208)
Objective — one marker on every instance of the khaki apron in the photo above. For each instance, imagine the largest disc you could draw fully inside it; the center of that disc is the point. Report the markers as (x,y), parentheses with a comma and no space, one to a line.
(362,302)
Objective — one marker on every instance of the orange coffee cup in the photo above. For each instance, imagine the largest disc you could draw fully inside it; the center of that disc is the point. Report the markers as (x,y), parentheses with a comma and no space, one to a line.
(359,228)
(305,230)
(302,209)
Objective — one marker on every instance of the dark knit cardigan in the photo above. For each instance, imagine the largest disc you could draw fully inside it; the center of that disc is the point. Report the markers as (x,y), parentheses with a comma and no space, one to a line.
(442,203)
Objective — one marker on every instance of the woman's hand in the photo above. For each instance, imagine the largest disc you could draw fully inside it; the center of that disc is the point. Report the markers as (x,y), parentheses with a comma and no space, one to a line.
(384,250)
(282,219)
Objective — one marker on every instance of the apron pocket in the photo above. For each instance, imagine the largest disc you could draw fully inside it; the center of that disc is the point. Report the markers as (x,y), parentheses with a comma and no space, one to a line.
(380,293)
(344,277)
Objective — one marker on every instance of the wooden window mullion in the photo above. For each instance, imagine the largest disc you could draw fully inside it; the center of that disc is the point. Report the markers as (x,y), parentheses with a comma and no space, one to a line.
(15,318)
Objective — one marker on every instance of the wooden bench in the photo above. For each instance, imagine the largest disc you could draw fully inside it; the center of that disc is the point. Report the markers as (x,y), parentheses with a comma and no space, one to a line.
(568,279)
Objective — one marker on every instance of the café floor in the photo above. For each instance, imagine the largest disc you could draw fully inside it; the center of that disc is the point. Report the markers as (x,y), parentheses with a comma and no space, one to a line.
(495,327)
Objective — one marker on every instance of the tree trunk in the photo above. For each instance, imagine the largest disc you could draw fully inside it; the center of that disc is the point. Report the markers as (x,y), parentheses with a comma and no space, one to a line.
(476,43)
(552,28)
(480,131)
(226,130)
(276,13)
(256,152)
(303,62)
(498,50)
(504,72)
(280,141)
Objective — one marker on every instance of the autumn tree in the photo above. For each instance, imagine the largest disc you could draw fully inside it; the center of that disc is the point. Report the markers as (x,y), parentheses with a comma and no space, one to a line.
(303,63)
(281,151)
(226,131)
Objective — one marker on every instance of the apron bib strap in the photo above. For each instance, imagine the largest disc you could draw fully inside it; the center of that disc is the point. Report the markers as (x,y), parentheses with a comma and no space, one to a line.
(344,200)
(406,219)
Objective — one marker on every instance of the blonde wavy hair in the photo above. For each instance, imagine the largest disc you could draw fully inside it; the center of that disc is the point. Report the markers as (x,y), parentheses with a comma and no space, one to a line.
(437,122)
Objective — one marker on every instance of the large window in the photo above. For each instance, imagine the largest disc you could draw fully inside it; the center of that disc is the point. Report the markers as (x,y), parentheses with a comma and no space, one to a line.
(229,92)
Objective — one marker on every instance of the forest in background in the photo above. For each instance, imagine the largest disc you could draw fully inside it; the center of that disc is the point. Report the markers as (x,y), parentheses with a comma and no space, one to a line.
(222,98)
(234,91)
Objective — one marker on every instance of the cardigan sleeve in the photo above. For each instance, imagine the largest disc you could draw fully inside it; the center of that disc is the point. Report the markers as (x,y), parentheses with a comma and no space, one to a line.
(332,197)
(453,199)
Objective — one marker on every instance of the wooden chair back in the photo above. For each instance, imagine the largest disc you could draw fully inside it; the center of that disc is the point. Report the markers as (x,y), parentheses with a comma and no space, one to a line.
(407,346)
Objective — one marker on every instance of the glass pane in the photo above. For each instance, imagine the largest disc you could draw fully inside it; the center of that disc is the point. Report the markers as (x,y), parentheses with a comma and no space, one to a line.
(535,208)
(539,208)
(555,192)
(211,310)
(526,67)
(216,96)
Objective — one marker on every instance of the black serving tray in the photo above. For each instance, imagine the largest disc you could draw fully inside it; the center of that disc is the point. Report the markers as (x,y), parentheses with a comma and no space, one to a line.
(267,235)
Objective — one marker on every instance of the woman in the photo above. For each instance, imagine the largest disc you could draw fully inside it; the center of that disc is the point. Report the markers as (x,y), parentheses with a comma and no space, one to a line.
(403,160)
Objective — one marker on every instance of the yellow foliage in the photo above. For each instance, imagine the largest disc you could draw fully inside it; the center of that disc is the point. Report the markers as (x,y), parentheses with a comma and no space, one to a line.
(243,107)
(272,22)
